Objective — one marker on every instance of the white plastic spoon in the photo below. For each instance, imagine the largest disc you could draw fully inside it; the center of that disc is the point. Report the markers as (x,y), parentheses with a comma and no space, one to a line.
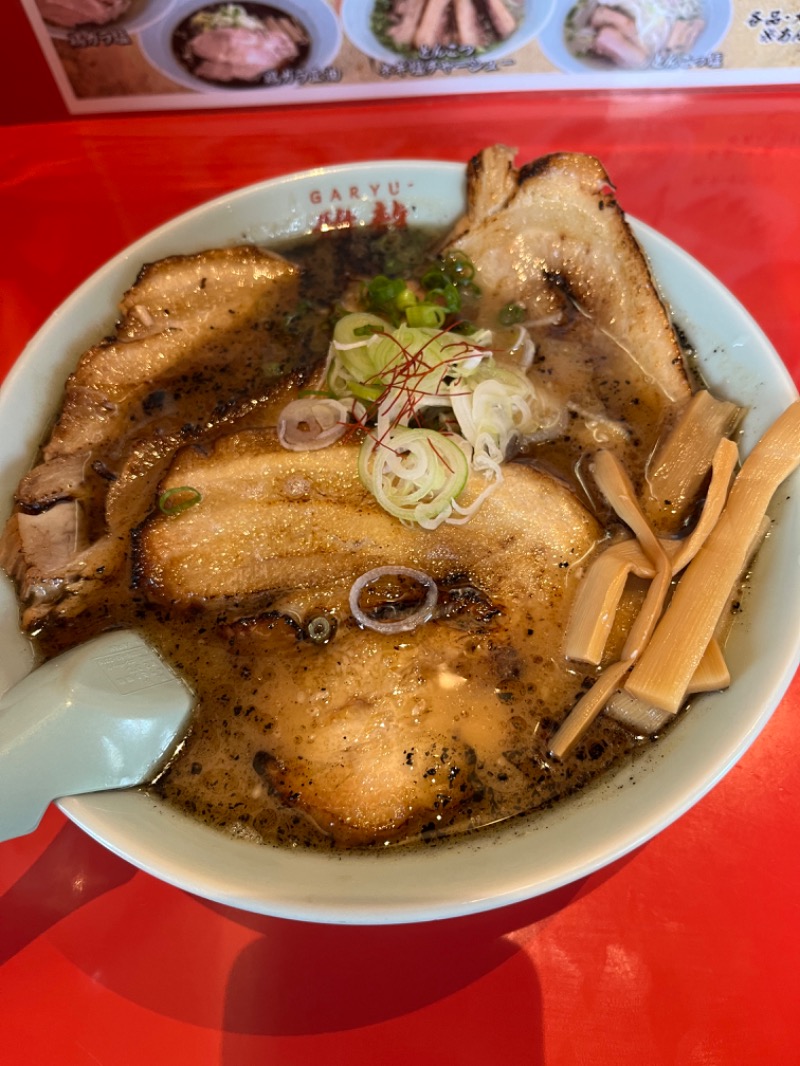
(103,715)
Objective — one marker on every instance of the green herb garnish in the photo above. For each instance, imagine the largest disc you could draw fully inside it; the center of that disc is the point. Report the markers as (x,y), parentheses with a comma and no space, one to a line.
(176,501)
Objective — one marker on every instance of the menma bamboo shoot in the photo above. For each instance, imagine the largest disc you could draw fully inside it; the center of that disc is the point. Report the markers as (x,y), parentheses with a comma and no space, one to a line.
(665,669)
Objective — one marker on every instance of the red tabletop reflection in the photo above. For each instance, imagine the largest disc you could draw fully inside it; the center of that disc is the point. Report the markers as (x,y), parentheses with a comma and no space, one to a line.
(683,954)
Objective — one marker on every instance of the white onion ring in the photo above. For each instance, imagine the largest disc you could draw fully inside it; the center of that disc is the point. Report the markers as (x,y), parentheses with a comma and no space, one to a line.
(312,422)
(404,625)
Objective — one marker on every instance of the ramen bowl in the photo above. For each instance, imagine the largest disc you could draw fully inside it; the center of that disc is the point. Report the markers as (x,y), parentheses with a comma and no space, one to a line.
(523,858)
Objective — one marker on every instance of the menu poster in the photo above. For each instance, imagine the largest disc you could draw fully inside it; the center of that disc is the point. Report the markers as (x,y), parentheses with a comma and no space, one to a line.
(120,55)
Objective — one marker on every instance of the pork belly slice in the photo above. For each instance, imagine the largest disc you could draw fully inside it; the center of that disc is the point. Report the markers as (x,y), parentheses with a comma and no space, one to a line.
(194,338)
(52,561)
(491,182)
(612,44)
(469,30)
(373,736)
(431,28)
(198,291)
(64,478)
(503,21)
(561,230)
(35,550)
(408,13)
(362,752)
(270,520)
(72,13)
(187,319)
(369,752)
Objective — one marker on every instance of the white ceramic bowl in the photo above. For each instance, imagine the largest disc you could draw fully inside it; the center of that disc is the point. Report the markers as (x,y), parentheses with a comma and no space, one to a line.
(140,15)
(316,16)
(583,833)
(357,22)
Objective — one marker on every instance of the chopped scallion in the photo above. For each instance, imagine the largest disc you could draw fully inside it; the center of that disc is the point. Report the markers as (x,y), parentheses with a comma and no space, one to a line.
(469,288)
(434,279)
(511,314)
(459,265)
(177,500)
(367,393)
(447,295)
(426,315)
(381,293)
(320,629)
(404,299)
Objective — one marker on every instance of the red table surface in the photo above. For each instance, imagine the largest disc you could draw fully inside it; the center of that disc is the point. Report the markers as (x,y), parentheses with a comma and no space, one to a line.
(685,953)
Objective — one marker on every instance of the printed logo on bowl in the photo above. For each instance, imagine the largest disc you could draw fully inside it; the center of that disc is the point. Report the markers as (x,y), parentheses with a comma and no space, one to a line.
(379,204)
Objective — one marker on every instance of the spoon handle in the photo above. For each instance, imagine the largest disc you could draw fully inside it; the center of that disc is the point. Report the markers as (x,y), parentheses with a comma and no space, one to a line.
(103,715)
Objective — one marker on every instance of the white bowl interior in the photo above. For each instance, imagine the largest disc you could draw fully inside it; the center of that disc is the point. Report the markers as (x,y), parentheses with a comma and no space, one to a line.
(585,832)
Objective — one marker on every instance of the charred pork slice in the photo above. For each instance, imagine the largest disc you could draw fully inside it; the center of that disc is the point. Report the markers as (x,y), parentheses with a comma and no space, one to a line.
(195,329)
(269,520)
(194,338)
(198,291)
(554,228)
(370,731)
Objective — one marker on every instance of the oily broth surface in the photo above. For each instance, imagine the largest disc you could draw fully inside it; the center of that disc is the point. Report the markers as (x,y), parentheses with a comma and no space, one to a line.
(272,692)
(256,695)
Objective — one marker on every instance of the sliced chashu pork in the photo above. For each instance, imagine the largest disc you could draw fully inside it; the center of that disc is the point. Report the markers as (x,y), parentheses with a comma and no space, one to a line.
(370,732)
(554,227)
(194,339)
(269,519)
(194,333)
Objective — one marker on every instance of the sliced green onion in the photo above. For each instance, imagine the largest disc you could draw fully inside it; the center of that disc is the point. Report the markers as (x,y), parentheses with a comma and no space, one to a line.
(406,298)
(320,629)
(448,296)
(434,279)
(511,314)
(469,288)
(431,316)
(497,405)
(458,265)
(368,393)
(228,16)
(381,293)
(381,289)
(298,312)
(423,612)
(356,326)
(414,474)
(177,500)
(312,423)
(352,354)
